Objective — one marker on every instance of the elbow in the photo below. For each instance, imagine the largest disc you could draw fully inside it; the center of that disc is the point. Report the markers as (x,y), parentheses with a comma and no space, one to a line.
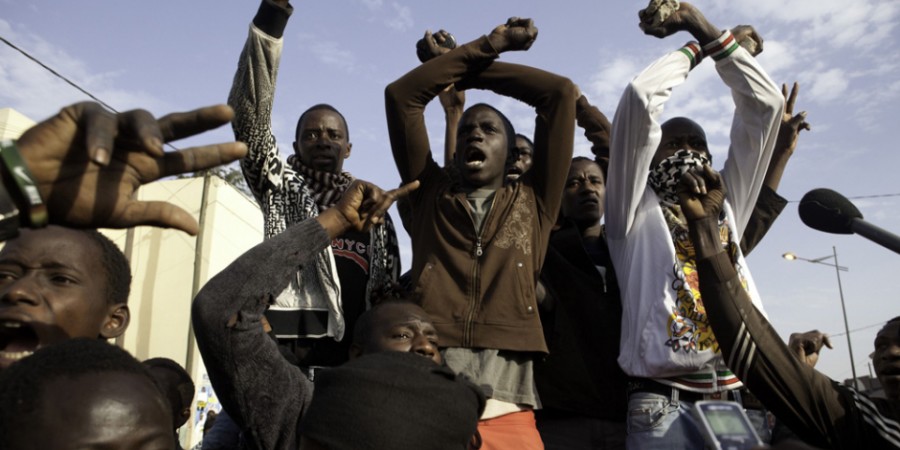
(565,90)
(394,95)
(203,312)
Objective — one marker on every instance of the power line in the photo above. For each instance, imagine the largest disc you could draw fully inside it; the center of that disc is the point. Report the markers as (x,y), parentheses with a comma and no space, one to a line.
(70,82)
(860,329)
(60,76)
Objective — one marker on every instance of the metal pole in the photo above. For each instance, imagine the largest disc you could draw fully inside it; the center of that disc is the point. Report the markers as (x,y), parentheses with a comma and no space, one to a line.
(198,265)
(837,270)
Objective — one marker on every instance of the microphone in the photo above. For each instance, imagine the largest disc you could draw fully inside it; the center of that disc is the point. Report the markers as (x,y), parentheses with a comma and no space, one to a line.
(828,211)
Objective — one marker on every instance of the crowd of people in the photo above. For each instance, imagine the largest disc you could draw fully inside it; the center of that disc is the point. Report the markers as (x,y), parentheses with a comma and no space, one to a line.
(553,302)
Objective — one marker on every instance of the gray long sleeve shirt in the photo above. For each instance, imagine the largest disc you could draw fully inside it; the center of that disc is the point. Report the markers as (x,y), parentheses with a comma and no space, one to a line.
(265,394)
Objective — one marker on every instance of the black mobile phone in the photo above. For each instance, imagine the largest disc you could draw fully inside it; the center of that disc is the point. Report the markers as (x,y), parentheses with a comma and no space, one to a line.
(725,425)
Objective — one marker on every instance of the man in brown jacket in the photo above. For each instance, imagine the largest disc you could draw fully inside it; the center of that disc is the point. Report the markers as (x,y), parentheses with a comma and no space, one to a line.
(478,244)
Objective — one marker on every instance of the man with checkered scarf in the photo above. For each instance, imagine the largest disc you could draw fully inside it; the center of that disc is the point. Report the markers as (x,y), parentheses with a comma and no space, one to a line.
(316,311)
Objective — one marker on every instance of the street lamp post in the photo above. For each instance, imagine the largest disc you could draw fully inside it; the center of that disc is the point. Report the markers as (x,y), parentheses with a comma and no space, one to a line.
(837,270)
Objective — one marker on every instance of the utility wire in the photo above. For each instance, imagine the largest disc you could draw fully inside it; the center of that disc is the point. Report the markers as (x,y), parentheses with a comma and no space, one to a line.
(858,329)
(72,83)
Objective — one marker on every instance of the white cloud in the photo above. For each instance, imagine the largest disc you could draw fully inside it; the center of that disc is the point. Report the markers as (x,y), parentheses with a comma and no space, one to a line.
(829,85)
(605,87)
(402,19)
(373,4)
(331,53)
(35,92)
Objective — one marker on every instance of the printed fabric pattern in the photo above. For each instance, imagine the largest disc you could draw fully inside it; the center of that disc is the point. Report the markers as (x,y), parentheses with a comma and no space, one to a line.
(688,326)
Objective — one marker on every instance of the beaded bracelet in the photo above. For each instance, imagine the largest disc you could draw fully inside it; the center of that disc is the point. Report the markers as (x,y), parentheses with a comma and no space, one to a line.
(15,166)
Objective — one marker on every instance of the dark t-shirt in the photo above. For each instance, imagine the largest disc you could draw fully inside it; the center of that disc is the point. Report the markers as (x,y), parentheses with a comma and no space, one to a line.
(351,257)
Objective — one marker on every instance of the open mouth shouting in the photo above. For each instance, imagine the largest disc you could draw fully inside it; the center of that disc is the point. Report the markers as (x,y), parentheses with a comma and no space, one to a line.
(475,158)
(18,340)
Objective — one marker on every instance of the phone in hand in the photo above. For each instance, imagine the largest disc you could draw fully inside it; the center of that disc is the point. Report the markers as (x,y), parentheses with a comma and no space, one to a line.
(725,425)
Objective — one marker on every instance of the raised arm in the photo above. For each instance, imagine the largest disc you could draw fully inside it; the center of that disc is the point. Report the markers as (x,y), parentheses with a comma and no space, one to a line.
(253,92)
(452,100)
(818,409)
(405,99)
(86,164)
(769,204)
(265,394)
(596,129)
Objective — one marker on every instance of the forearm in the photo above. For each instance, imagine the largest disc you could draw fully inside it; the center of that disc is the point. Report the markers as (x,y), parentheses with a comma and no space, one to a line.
(595,125)
(701,28)
(636,132)
(806,400)
(776,169)
(244,364)
(769,206)
(253,90)
(452,123)
(759,105)
(405,101)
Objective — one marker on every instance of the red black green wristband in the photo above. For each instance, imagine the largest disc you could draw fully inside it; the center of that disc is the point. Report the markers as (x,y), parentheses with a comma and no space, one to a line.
(24,181)
(720,48)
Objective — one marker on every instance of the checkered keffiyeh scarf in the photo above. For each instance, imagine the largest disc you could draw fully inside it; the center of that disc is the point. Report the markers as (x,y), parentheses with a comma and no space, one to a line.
(665,176)
(326,188)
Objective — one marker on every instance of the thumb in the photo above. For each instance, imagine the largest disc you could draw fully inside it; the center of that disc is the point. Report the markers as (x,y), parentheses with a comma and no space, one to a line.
(827,341)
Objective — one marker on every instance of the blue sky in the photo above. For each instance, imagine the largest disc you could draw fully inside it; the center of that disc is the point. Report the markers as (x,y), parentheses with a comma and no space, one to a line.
(169,56)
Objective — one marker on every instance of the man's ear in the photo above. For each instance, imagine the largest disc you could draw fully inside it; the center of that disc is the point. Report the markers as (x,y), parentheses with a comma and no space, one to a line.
(355,351)
(296,148)
(117,318)
(347,152)
(184,416)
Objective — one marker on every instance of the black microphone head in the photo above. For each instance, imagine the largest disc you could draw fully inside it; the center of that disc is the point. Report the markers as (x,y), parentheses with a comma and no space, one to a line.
(826,210)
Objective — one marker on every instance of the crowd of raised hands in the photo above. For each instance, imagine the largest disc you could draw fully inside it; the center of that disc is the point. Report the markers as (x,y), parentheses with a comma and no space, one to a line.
(82,168)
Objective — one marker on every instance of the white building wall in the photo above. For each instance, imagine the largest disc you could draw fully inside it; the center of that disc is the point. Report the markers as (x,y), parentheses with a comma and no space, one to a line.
(162,264)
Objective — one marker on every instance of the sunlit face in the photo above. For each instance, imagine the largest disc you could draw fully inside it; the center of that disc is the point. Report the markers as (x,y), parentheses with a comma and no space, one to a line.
(886,359)
(481,148)
(680,133)
(523,159)
(403,327)
(53,287)
(322,141)
(584,193)
(109,410)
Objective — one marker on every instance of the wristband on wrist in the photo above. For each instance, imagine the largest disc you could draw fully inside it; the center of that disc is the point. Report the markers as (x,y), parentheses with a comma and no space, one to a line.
(9,216)
(720,48)
(693,51)
(24,181)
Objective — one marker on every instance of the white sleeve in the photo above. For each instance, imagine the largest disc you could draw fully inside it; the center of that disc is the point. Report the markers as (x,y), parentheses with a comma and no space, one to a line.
(636,134)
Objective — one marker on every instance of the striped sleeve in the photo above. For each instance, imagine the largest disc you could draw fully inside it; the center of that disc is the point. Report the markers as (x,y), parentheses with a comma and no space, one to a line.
(720,48)
(821,411)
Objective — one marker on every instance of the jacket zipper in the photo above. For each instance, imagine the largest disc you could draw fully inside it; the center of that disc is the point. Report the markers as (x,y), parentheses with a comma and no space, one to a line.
(475,299)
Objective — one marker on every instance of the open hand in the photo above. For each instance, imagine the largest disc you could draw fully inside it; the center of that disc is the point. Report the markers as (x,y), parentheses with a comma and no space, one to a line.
(791,124)
(363,204)
(88,162)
